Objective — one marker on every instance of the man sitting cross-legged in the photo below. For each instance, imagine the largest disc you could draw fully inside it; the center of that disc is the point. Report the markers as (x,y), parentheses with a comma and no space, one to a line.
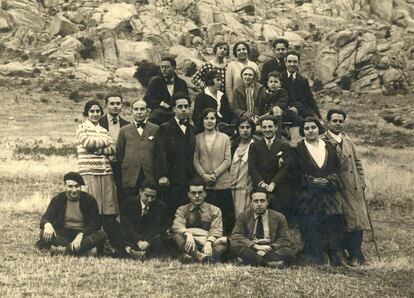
(71,222)
(198,227)
(140,232)
(260,236)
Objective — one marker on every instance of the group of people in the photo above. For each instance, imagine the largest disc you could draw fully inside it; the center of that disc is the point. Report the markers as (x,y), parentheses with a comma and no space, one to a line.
(227,187)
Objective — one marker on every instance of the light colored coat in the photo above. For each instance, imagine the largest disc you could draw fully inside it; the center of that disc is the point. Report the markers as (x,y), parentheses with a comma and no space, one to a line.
(352,177)
(216,158)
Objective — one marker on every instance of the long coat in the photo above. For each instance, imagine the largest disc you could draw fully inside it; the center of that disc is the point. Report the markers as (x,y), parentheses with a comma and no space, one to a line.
(135,152)
(239,104)
(352,177)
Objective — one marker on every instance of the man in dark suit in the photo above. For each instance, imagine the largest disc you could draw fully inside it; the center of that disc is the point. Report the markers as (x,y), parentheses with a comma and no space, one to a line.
(280,46)
(173,157)
(140,232)
(160,91)
(260,235)
(134,149)
(112,122)
(301,100)
(268,166)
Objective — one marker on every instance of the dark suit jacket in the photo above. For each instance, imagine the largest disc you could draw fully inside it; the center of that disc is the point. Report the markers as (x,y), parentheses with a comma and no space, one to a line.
(204,101)
(243,231)
(271,166)
(135,152)
(104,121)
(157,91)
(138,227)
(300,95)
(278,98)
(239,104)
(174,151)
(269,66)
(55,212)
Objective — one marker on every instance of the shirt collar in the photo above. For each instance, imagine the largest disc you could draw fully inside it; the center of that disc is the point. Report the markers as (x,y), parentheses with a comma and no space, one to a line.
(178,121)
(336,137)
(263,215)
(293,74)
(217,97)
(192,206)
(271,140)
(145,121)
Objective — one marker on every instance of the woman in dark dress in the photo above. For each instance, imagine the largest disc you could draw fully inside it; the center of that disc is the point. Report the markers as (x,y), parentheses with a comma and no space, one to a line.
(315,167)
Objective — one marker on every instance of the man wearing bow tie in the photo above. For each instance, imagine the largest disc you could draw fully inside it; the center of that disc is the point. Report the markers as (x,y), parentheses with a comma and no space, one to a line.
(174,151)
(140,232)
(301,100)
(161,89)
(112,122)
(134,149)
(268,166)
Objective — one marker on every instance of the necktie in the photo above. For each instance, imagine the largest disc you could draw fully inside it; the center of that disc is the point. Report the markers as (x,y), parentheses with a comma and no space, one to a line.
(197,217)
(145,210)
(259,228)
(114,121)
(182,121)
(141,124)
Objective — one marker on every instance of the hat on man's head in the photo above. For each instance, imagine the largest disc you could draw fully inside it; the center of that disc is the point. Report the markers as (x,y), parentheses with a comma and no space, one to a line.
(75,177)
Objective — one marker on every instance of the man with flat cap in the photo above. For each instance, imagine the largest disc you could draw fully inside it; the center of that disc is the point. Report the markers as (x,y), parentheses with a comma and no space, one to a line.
(71,223)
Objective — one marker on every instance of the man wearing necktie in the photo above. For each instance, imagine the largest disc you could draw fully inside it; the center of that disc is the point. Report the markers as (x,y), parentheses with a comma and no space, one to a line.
(140,232)
(113,122)
(260,235)
(353,180)
(161,89)
(134,149)
(301,100)
(173,156)
(198,227)
(269,166)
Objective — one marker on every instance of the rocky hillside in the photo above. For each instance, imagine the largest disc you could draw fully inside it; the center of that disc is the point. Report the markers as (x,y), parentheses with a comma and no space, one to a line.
(359,46)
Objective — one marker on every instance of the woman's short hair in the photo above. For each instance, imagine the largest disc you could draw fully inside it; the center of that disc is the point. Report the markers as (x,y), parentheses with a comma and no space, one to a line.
(335,111)
(88,106)
(210,76)
(248,120)
(203,115)
(221,44)
(252,69)
(314,120)
(239,43)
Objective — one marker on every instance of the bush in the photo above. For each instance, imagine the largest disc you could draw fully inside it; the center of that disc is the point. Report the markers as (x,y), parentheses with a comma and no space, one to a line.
(75,96)
(88,50)
(146,71)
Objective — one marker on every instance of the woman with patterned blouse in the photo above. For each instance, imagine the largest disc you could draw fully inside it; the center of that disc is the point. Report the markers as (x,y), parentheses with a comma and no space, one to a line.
(218,63)
(95,145)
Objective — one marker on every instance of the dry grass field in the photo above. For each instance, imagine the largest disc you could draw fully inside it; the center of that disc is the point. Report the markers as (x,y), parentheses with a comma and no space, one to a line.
(36,148)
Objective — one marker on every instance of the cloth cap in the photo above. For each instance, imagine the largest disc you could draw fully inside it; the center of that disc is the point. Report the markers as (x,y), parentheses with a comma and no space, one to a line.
(75,177)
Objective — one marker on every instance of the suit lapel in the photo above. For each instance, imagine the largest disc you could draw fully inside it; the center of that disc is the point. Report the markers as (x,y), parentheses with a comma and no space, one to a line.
(252,223)
(272,226)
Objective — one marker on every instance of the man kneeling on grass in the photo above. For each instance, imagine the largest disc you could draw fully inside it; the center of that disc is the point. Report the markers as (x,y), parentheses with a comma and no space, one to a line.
(198,228)
(71,222)
(140,232)
(260,235)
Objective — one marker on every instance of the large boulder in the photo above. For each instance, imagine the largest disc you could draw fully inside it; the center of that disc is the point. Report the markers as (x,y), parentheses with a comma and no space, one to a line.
(93,73)
(114,15)
(26,13)
(130,52)
(17,69)
(383,9)
(124,77)
(60,25)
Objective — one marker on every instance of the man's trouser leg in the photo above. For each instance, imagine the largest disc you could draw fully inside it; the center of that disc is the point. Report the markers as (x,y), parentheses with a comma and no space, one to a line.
(353,243)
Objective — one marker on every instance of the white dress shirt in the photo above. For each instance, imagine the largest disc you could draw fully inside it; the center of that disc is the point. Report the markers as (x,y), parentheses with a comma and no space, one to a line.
(318,152)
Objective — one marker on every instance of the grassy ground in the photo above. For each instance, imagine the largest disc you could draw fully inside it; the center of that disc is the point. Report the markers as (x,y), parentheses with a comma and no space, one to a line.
(36,146)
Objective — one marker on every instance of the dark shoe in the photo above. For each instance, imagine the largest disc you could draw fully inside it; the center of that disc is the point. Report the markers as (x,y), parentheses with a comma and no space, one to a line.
(42,245)
(185,258)
(337,259)
(58,250)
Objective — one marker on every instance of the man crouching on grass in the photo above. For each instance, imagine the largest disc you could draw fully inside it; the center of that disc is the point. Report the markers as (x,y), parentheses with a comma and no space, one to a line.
(260,235)
(71,222)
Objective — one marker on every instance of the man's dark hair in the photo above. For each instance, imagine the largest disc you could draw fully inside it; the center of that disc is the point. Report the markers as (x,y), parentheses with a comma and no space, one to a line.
(259,190)
(274,74)
(335,111)
(280,40)
(242,119)
(196,181)
(148,184)
(210,76)
(295,53)
(180,95)
(171,60)
(221,44)
(314,120)
(239,43)
(112,95)
(269,117)
(88,106)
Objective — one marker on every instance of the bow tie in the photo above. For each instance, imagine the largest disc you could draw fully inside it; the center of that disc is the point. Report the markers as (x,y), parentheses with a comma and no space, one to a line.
(141,124)
(182,121)
(114,121)
(169,82)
